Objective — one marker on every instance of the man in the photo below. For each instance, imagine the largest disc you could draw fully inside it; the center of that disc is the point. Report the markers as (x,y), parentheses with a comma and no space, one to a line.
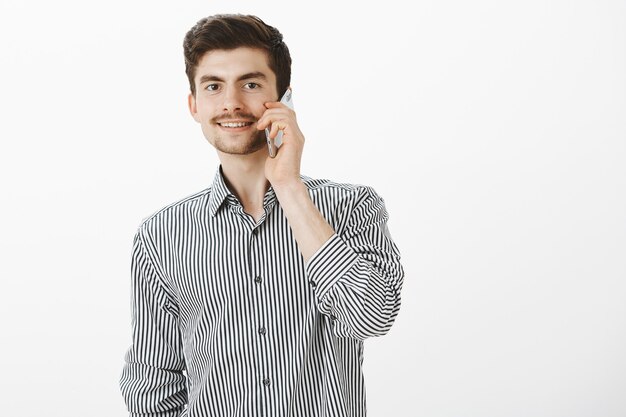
(253,297)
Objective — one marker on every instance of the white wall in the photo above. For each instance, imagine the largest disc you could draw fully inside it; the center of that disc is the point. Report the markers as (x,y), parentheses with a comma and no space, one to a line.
(494,130)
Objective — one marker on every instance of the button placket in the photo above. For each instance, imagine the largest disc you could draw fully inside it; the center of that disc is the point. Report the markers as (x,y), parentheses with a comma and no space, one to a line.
(261,329)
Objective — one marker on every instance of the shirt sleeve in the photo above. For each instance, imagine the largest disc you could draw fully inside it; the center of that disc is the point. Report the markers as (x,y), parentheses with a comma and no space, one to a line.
(152,381)
(356,275)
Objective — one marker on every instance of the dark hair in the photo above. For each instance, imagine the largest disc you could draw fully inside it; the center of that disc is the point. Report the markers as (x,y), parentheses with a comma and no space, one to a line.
(230,31)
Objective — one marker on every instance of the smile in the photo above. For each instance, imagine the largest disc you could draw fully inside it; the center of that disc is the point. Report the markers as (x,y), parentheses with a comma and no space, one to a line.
(235,124)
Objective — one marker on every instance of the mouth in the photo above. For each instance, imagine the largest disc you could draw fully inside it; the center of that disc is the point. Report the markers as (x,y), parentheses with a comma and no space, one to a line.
(235,125)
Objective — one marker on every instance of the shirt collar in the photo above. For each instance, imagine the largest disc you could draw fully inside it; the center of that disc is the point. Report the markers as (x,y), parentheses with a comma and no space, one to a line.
(220,193)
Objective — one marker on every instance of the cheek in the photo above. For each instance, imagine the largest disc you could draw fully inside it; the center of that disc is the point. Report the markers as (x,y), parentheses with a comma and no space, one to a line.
(203,107)
(258,111)
(258,106)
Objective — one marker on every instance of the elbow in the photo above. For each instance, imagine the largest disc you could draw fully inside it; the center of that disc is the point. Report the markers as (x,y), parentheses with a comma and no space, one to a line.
(381,323)
(151,391)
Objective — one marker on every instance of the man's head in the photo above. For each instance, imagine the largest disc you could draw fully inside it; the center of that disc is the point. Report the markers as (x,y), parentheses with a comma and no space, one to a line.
(231,31)
(235,65)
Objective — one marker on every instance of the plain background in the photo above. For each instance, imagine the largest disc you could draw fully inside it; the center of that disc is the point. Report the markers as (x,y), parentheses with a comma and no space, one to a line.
(494,130)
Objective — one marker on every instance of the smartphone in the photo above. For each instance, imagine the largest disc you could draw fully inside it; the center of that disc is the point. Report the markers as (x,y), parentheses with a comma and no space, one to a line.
(273,145)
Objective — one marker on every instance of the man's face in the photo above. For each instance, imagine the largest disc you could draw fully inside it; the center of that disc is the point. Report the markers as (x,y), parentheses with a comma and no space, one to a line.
(231,89)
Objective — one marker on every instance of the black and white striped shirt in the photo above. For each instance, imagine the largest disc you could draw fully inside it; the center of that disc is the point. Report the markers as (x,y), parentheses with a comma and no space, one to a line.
(228,319)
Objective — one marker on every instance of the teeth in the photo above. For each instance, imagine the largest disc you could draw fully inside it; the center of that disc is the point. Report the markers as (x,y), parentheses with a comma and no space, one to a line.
(238,124)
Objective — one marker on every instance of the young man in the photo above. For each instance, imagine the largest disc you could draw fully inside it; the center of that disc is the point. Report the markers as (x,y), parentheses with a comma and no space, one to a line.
(253,297)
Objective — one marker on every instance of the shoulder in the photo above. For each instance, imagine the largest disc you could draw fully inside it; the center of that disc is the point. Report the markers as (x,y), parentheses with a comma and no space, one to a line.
(347,207)
(343,199)
(180,210)
(338,191)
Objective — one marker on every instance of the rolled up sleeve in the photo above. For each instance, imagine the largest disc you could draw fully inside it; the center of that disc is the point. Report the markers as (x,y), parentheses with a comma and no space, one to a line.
(356,274)
(152,381)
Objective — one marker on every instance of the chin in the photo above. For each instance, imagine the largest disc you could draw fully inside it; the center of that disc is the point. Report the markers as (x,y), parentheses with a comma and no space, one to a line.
(236,147)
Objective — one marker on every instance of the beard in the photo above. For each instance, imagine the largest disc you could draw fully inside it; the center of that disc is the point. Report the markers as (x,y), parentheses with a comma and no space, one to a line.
(236,143)
(240,146)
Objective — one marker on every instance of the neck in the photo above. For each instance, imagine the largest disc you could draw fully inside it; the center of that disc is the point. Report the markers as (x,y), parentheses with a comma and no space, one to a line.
(245,177)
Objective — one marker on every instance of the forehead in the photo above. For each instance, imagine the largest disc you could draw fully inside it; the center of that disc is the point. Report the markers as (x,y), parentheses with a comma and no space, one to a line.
(232,63)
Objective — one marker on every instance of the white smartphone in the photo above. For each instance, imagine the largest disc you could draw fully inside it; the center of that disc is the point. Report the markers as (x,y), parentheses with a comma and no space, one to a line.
(273,145)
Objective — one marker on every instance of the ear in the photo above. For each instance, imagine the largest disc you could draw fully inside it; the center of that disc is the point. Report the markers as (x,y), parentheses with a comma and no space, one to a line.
(193,108)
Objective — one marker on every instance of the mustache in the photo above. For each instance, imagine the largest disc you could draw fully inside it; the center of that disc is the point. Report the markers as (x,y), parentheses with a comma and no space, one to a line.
(237,115)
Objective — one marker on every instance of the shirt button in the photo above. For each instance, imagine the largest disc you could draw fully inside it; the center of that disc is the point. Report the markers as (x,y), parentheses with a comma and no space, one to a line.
(313,283)
(266,382)
(257,280)
(262,330)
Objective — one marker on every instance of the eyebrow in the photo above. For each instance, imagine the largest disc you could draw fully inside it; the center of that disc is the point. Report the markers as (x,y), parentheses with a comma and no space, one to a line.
(247,76)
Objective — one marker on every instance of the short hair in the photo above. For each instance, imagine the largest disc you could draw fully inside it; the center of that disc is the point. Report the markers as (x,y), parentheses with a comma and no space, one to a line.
(230,31)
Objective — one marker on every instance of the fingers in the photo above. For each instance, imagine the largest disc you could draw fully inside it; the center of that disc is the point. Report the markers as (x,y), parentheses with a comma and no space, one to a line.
(276,114)
(275,104)
(274,130)
(274,126)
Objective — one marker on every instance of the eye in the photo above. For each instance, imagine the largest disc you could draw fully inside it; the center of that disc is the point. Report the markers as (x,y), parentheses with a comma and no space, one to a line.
(251,86)
(211,87)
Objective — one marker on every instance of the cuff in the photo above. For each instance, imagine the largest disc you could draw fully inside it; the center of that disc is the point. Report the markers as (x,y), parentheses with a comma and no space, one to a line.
(329,264)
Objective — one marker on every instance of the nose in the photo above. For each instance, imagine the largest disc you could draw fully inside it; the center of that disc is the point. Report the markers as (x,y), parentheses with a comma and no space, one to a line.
(232,100)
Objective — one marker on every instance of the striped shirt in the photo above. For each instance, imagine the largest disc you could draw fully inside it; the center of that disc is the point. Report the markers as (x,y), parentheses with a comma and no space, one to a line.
(229,320)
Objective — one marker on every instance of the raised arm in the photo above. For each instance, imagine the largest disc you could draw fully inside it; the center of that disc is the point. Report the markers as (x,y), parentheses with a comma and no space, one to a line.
(356,274)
